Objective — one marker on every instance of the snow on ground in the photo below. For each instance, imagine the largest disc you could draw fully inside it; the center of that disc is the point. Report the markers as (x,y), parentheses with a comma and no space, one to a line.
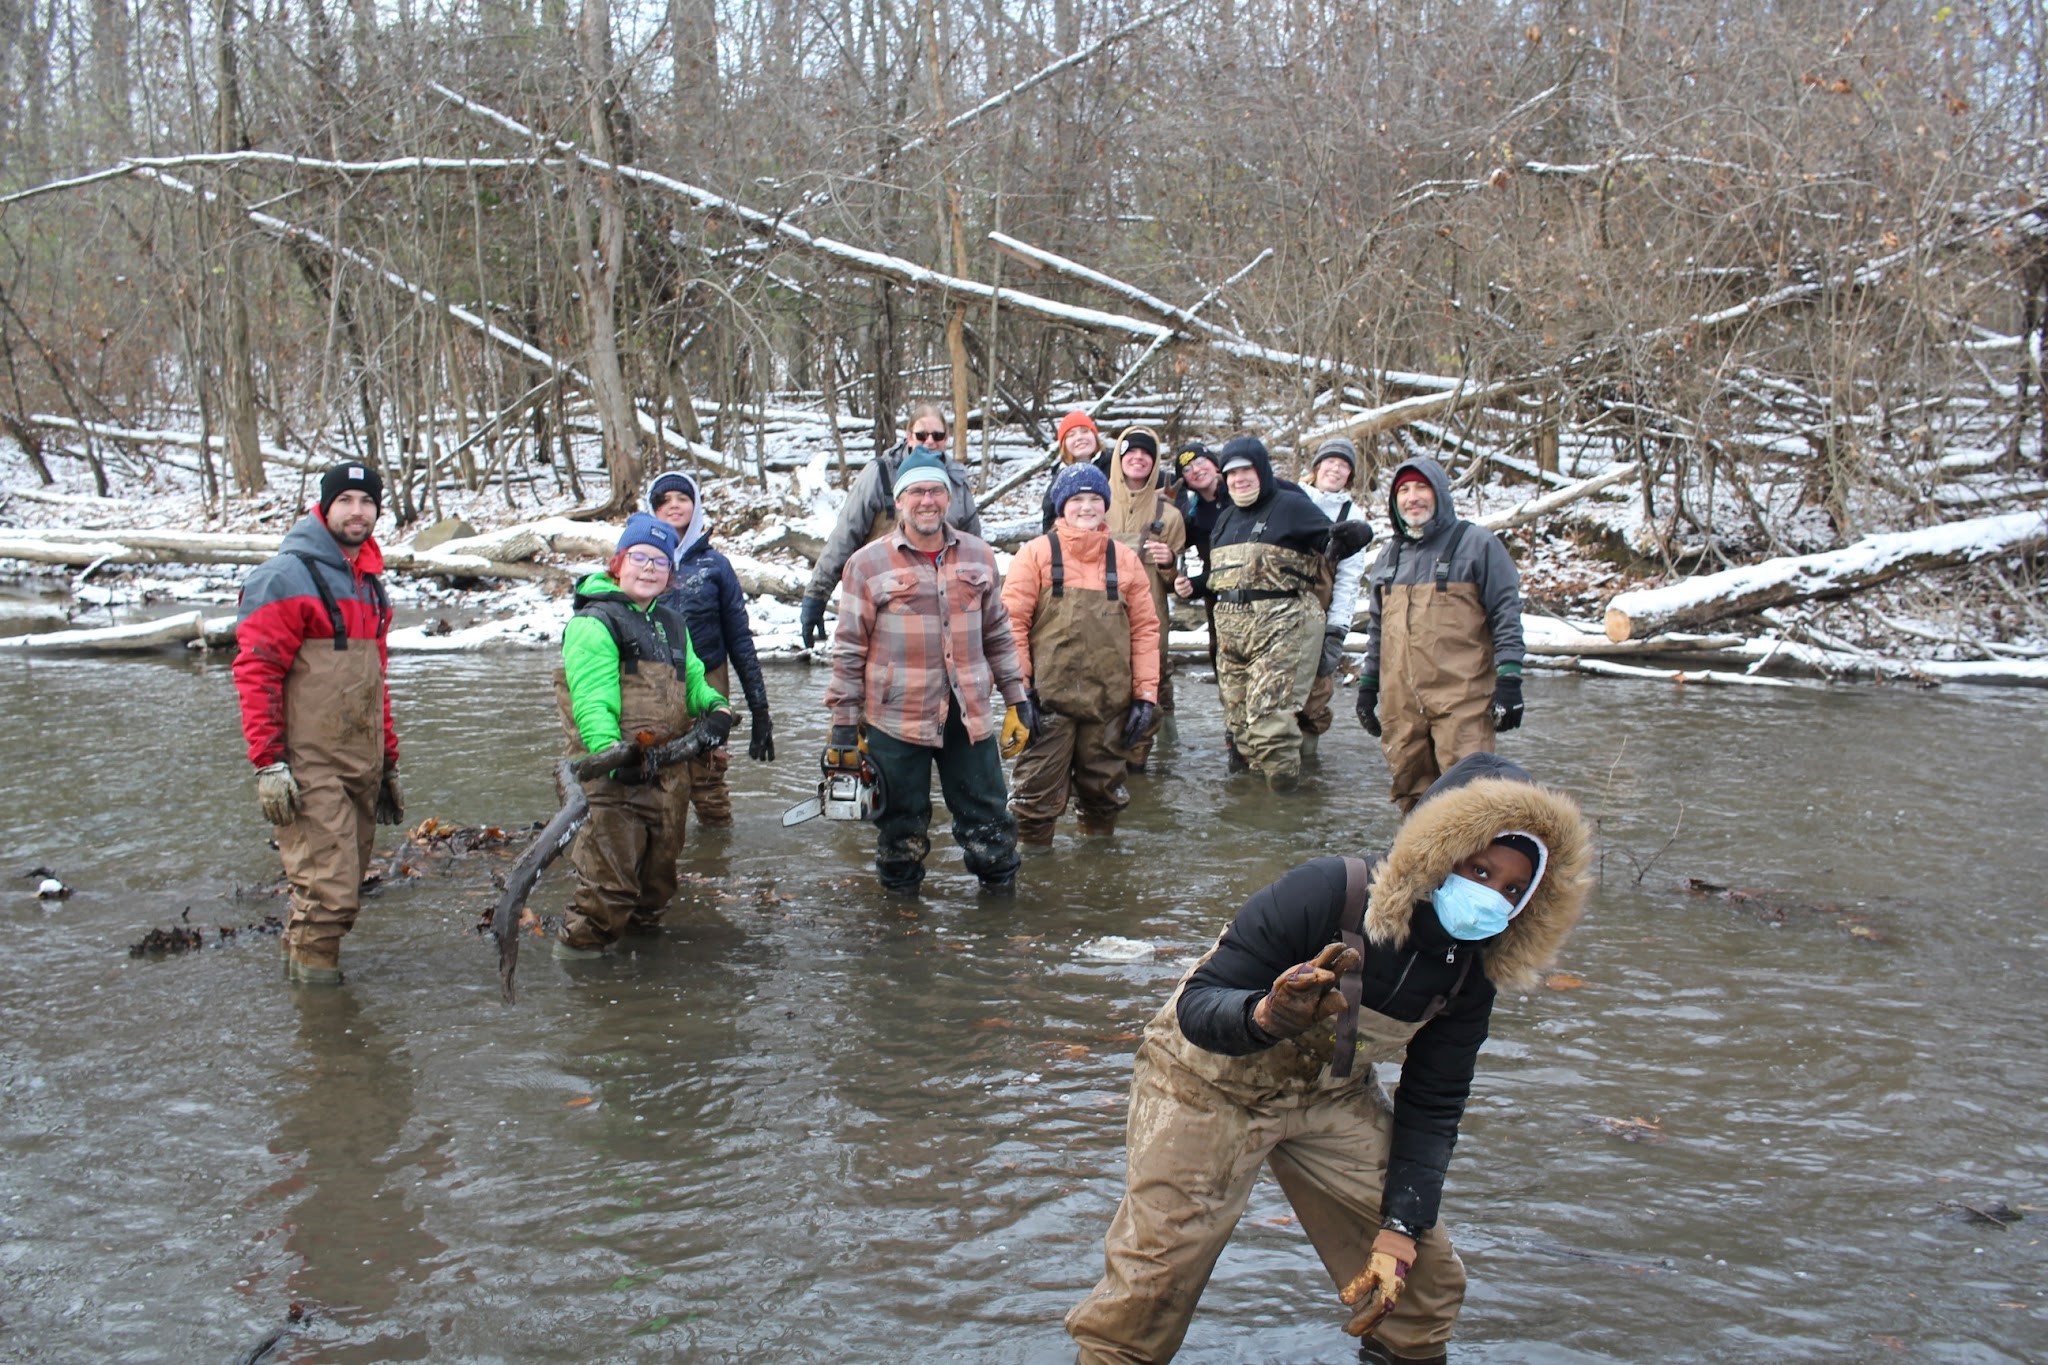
(785,502)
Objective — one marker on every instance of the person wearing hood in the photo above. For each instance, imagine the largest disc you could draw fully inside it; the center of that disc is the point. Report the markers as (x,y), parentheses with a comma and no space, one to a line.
(869,511)
(1076,440)
(923,641)
(1087,642)
(1198,492)
(1266,1055)
(316,714)
(706,593)
(1332,475)
(628,670)
(1267,562)
(1142,515)
(1443,647)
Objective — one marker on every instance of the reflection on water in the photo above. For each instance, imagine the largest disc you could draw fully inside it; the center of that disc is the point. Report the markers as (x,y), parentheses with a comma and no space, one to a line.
(809,1122)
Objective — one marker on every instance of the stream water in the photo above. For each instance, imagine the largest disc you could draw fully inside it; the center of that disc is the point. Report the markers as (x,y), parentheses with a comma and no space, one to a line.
(812,1123)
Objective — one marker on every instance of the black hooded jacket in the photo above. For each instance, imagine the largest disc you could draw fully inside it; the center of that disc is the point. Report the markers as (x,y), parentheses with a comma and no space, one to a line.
(1282,515)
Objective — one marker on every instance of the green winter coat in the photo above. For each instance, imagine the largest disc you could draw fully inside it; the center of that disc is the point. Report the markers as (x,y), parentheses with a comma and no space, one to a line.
(593,661)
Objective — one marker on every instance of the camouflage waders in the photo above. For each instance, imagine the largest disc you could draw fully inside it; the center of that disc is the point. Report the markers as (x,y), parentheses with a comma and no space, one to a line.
(1269,633)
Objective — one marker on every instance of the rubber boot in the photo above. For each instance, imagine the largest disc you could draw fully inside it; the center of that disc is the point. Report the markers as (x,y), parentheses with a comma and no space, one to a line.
(311,968)
(1310,742)
(1372,1351)
(568,952)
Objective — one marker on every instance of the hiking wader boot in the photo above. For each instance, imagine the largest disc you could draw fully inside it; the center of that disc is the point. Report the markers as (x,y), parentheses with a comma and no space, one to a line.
(568,952)
(1310,743)
(309,968)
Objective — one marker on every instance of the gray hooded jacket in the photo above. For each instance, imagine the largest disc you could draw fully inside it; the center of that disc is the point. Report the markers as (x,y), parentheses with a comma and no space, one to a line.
(1479,559)
(872,497)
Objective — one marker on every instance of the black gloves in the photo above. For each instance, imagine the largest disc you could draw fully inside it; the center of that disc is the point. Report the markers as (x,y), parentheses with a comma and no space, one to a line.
(1507,702)
(390,800)
(639,770)
(1027,711)
(842,750)
(1137,720)
(1369,705)
(1333,651)
(1348,537)
(761,736)
(716,725)
(811,616)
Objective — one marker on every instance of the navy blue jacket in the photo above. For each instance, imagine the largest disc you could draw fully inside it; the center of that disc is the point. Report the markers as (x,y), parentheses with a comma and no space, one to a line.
(707,592)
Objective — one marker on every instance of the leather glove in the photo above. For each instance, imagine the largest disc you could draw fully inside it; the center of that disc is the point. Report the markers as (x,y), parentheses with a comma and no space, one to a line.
(1305,993)
(390,800)
(716,725)
(1369,705)
(1333,651)
(1137,720)
(811,617)
(842,750)
(761,736)
(1348,537)
(277,791)
(1376,1289)
(1507,702)
(1016,734)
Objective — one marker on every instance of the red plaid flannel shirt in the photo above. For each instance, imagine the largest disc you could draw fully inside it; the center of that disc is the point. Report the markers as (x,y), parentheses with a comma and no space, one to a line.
(915,638)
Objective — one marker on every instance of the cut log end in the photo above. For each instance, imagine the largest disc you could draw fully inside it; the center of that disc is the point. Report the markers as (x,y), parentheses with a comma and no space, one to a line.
(1619,628)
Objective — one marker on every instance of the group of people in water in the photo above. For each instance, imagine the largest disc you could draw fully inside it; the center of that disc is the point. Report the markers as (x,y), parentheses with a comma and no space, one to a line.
(1264,1054)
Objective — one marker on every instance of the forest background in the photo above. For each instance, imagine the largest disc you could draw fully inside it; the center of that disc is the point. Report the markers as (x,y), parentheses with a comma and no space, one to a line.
(1789,260)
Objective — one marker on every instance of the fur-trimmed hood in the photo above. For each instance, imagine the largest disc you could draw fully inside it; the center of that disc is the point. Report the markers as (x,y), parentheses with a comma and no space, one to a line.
(1483,796)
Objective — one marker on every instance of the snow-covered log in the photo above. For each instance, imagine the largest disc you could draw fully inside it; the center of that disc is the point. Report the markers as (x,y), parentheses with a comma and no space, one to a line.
(187,439)
(1699,677)
(1837,573)
(1537,508)
(181,629)
(77,548)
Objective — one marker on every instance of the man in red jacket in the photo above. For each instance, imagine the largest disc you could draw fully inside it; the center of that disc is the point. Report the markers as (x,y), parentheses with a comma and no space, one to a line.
(316,713)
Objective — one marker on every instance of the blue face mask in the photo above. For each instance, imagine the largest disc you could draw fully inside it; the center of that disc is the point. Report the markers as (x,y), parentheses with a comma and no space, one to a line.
(1470,911)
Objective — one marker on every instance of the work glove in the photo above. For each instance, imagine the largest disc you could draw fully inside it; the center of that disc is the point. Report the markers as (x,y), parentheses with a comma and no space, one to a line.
(843,748)
(1137,720)
(1026,710)
(1333,651)
(1348,537)
(716,725)
(1369,705)
(1305,993)
(1507,702)
(390,800)
(811,616)
(761,736)
(1375,1290)
(277,791)
(1016,734)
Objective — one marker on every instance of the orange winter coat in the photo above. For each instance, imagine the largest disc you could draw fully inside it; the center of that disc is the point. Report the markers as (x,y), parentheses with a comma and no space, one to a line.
(1028,587)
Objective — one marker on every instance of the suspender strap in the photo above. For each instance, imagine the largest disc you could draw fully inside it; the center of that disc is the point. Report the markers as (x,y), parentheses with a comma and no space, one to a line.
(1357,888)
(326,597)
(1109,570)
(1059,566)
(1436,1005)
(1444,556)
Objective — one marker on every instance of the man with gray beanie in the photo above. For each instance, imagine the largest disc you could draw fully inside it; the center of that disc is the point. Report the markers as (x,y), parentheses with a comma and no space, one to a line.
(309,669)
(923,640)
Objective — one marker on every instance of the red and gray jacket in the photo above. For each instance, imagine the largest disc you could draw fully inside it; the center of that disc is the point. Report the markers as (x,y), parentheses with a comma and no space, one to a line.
(308,622)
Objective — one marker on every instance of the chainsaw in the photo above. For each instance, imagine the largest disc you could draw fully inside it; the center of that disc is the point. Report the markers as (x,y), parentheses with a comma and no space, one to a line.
(843,794)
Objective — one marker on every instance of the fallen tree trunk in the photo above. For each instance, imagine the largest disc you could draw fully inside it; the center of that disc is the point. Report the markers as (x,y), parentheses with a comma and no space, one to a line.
(1837,573)
(181,629)
(1535,508)
(77,549)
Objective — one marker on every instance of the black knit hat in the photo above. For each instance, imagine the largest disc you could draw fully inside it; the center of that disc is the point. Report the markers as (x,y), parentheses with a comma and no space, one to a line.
(351,474)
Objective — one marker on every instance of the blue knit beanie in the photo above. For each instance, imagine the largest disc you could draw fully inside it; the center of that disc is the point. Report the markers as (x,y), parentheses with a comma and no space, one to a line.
(1078,478)
(643,529)
(670,482)
(918,467)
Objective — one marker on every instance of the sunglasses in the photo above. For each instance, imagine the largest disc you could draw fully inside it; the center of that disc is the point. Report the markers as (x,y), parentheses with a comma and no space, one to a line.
(933,437)
(647,561)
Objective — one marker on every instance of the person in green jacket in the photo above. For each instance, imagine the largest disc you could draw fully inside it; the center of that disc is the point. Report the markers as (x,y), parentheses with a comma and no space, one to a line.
(628,671)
